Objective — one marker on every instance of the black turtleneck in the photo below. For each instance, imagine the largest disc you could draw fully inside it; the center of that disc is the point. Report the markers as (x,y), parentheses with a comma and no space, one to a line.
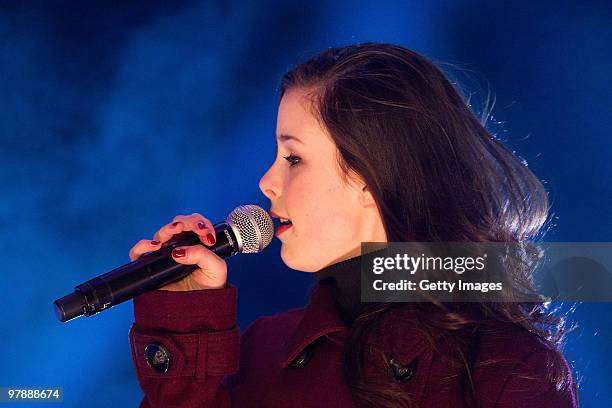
(344,277)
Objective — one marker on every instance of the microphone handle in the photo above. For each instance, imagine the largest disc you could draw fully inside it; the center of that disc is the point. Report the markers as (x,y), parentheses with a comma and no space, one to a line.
(151,271)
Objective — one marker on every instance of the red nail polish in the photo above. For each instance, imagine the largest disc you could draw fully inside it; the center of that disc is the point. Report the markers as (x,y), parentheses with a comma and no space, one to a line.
(201,225)
(154,242)
(178,252)
(210,238)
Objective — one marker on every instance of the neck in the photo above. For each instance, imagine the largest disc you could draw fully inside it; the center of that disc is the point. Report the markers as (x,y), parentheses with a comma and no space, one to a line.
(344,277)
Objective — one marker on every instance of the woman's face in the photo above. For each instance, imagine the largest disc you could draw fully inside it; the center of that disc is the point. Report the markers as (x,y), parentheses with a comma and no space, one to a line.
(330,218)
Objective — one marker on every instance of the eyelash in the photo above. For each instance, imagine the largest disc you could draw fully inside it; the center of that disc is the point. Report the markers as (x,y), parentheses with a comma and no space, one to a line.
(292,159)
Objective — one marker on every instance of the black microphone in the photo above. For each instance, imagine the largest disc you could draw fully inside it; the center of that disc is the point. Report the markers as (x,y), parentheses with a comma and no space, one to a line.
(248,229)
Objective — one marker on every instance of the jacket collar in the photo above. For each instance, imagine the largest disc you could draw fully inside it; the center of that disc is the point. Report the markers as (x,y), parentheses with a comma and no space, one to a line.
(319,318)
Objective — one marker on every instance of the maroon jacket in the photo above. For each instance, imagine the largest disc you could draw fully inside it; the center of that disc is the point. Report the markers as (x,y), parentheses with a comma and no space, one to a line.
(195,357)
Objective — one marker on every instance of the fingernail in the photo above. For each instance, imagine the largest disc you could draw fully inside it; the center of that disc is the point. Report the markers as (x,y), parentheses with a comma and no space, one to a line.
(154,242)
(178,252)
(210,238)
(174,224)
(201,225)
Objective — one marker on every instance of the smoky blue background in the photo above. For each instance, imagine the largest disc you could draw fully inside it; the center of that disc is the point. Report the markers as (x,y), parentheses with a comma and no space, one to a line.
(116,117)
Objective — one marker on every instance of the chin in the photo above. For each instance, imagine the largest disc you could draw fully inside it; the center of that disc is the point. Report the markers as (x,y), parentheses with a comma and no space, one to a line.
(299,261)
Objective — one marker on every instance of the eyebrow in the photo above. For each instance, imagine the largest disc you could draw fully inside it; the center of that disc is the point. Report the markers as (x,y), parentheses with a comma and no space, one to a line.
(284,138)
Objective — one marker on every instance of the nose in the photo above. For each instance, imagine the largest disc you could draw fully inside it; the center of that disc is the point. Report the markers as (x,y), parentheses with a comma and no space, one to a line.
(269,184)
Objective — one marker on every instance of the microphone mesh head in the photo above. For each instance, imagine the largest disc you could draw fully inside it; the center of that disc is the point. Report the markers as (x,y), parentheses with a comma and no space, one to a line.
(254,227)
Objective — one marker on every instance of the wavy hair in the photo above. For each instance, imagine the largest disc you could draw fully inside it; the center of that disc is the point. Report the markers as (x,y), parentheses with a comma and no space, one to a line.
(408,132)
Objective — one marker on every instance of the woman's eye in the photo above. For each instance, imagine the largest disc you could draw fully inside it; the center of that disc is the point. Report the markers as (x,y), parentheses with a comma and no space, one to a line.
(292,159)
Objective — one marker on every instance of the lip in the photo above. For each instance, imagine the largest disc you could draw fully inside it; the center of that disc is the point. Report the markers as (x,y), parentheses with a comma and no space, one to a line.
(275,215)
(282,228)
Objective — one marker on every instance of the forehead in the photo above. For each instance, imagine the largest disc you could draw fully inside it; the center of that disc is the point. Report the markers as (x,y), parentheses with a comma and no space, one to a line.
(282,138)
(296,118)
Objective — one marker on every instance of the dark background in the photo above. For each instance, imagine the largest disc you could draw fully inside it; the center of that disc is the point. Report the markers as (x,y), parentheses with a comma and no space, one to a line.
(117,116)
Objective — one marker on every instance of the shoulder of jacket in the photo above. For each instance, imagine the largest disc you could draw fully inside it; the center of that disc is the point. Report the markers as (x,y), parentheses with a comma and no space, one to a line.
(514,364)
(278,322)
(506,340)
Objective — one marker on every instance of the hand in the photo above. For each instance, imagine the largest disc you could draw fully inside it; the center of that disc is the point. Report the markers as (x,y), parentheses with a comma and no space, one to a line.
(212,271)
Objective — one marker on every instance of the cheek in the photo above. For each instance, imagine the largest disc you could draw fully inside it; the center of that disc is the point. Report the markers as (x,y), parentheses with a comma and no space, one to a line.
(301,194)
(321,208)
(328,217)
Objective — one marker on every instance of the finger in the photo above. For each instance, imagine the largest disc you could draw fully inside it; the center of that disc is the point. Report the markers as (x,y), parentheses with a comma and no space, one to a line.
(143,246)
(204,228)
(200,225)
(169,230)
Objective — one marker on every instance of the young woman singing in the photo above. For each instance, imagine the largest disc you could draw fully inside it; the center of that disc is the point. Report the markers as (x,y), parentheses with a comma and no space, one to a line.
(376,144)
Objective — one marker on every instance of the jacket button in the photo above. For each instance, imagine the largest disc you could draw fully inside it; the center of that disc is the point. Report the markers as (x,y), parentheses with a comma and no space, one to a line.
(303,359)
(402,373)
(158,357)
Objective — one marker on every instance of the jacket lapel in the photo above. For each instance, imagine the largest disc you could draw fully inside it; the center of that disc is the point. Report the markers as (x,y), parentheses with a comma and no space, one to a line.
(399,337)
(320,318)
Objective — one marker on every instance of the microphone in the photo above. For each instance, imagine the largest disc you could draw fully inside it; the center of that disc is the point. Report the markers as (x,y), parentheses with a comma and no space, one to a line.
(248,229)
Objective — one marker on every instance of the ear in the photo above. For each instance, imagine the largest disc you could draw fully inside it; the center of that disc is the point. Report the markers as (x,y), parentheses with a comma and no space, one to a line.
(364,196)
(366,199)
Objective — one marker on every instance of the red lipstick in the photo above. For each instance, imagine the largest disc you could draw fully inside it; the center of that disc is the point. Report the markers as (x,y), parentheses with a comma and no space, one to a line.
(282,228)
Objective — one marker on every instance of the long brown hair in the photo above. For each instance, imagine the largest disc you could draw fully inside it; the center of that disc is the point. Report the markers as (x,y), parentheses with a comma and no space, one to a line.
(402,126)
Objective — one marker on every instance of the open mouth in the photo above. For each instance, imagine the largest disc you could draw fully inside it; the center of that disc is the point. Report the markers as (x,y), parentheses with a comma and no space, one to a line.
(283,226)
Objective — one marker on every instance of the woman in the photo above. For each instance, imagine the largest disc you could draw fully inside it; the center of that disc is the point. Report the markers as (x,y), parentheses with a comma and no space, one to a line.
(375,144)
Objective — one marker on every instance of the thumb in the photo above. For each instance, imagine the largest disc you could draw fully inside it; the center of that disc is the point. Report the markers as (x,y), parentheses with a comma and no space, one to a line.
(213,269)
(198,255)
